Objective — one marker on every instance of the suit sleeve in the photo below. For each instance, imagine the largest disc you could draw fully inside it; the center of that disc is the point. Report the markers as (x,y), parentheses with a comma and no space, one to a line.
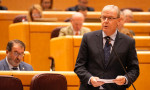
(132,64)
(82,59)
(62,32)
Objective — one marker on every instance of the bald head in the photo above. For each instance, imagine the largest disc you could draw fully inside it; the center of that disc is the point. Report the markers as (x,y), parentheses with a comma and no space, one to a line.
(77,16)
(128,15)
(77,21)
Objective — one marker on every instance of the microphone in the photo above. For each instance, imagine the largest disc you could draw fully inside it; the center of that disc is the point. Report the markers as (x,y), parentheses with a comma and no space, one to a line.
(118,58)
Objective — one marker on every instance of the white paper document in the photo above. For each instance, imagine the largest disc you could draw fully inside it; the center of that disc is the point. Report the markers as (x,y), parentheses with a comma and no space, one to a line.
(106,80)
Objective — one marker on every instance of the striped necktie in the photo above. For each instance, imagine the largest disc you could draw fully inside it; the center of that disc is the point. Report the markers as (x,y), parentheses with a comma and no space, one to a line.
(107,48)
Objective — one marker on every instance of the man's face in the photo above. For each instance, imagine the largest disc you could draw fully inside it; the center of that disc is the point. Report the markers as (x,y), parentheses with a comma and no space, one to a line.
(122,21)
(77,23)
(109,21)
(15,56)
(46,4)
(83,3)
(128,19)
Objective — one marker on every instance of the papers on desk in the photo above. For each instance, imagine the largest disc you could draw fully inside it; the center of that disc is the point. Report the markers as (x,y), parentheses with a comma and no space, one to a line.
(106,80)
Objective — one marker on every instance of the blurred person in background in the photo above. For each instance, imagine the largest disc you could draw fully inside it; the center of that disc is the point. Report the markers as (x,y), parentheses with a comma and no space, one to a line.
(83,3)
(76,27)
(46,4)
(128,16)
(2,7)
(35,12)
(121,26)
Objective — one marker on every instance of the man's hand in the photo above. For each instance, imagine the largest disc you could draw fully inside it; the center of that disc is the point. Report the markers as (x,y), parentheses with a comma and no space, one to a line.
(120,80)
(96,83)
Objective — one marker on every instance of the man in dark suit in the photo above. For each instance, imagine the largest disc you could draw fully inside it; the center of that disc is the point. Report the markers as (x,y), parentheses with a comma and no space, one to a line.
(82,3)
(14,55)
(97,60)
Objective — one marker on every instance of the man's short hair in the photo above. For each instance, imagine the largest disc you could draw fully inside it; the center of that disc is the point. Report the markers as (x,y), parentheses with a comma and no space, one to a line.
(113,7)
(11,43)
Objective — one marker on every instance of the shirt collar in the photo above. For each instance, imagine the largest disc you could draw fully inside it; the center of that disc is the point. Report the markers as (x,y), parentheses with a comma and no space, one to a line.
(113,36)
(74,32)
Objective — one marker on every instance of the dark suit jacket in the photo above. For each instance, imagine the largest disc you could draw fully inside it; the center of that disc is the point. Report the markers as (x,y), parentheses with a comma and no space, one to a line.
(75,8)
(90,60)
(3,8)
(23,66)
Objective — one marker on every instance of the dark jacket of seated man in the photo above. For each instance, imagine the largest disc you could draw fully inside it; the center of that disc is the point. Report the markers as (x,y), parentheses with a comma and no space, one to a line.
(22,66)
(14,55)
(76,7)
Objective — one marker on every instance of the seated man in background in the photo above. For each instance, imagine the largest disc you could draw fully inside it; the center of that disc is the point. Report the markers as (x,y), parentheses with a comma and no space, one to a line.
(2,7)
(14,55)
(80,9)
(128,16)
(76,27)
(83,3)
(121,26)
(46,4)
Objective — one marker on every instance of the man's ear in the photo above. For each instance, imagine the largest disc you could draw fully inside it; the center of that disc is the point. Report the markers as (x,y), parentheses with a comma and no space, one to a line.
(7,52)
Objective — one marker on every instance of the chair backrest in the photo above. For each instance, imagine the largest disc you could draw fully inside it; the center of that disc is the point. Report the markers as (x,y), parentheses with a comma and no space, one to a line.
(48,81)
(55,32)
(10,83)
(20,18)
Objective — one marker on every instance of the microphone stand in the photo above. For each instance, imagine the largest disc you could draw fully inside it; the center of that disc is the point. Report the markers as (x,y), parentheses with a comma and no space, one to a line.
(122,65)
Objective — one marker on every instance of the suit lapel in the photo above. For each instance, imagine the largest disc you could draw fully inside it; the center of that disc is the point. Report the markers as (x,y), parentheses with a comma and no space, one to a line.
(21,66)
(99,41)
(6,67)
(70,31)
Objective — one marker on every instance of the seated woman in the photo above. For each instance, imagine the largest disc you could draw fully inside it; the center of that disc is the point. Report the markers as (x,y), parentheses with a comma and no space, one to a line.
(35,12)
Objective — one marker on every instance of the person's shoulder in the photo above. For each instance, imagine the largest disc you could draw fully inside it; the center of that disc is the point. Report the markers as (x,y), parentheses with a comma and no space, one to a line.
(90,9)
(2,61)
(126,37)
(86,29)
(25,64)
(71,8)
(93,33)
(3,8)
(65,28)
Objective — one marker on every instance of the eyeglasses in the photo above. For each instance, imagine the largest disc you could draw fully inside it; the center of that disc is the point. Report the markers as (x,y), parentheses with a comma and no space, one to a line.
(108,18)
(18,54)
